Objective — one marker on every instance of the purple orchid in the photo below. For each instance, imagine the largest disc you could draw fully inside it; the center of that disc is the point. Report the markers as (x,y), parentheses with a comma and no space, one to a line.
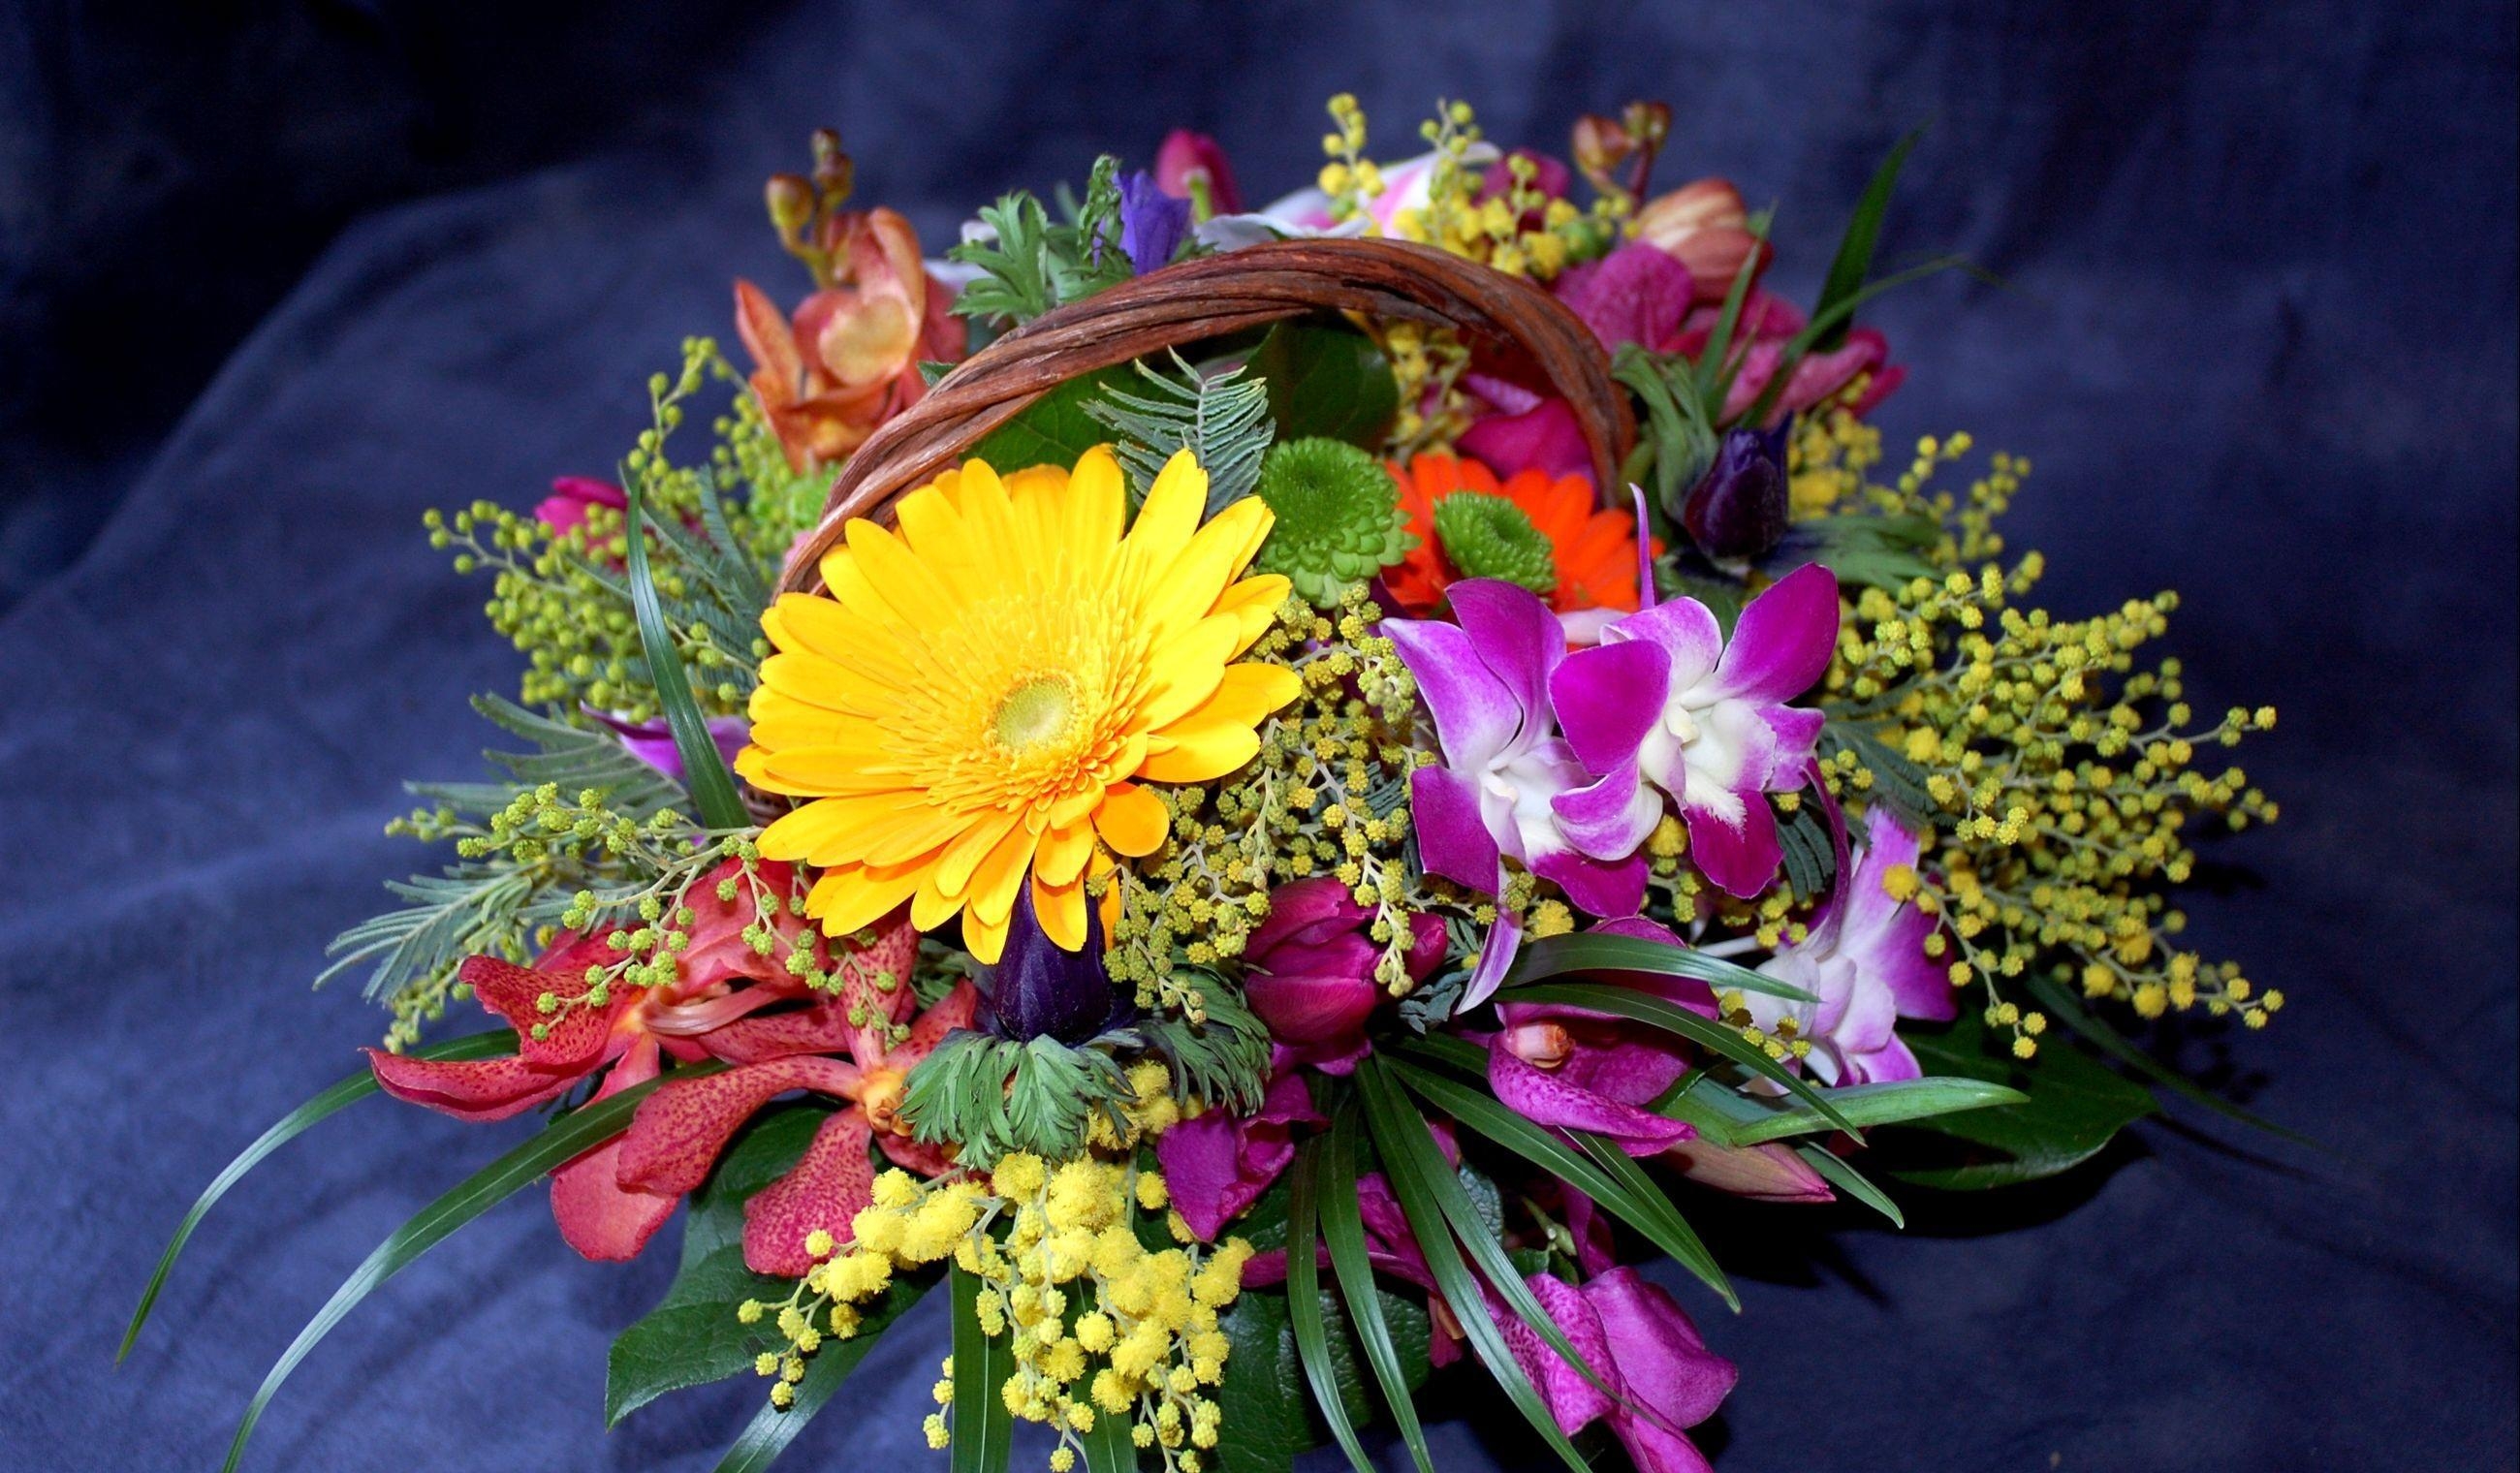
(1219,1163)
(1312,977)
(1664,702)
(1661,1377)
(1864,964)
(1151,222)
(652,741)
(1508,779)
(1571,1068)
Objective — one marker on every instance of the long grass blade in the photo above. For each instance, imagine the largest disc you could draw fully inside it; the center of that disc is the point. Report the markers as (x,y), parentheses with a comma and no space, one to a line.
(1578,953)
(1304,1300)
(288,1128)
(563,1140)
(1834,1170)
(1730,1118)
(704,770)
(983,1428)
(1853,259)
(1628,1002)
(1344,1230)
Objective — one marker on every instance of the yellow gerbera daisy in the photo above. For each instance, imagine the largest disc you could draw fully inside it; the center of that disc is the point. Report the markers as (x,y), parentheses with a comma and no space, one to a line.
(976,702)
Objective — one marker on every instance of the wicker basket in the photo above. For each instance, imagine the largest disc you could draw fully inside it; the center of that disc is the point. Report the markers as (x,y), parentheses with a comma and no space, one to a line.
(1209,298)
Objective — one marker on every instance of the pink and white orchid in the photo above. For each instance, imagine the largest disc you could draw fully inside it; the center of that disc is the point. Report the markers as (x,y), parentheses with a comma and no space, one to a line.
(1660,1378)
(1864,964)
(1666,702)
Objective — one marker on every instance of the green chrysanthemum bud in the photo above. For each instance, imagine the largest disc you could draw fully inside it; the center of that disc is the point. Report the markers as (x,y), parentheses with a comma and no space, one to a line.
(1489,537)
(1339,521)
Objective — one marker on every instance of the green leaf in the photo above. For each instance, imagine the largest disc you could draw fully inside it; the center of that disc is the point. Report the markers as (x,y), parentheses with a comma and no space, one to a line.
(1650,1212)
(1221,418)
(1628,1002)
(1304,1303)
(1727,1117)
(1853,1182)
(562,1140)
(288,1128)
(571,758)
(1344,1230)
(2076,1105)
(693,1337)
(1052,430)
(1897,780)
(1326,380)
(990,1095)
(712,786)
(2117,1045)
(1879,551)
(1418,1176)
(1853,259)
(983,1428)
(1811,856)
(1108,1446)
(825,1371)
(1578,953)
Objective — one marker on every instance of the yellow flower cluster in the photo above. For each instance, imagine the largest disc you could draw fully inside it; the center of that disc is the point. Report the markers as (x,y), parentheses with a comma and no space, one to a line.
(1327,796)
(1100,1325)
(2067,779)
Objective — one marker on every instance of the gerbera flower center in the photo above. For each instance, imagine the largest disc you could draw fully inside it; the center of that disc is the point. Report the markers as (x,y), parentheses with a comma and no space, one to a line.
(1037,711)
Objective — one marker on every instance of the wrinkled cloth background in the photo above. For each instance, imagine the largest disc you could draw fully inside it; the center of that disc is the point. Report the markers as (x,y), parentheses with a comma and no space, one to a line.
(272,285)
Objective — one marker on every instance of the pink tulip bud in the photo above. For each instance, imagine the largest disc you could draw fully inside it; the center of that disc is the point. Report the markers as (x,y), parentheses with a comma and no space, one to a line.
(1705,225)
(1769,1172)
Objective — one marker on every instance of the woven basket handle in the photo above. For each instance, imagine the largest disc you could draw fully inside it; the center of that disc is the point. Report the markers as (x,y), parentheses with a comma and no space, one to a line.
(1208,297)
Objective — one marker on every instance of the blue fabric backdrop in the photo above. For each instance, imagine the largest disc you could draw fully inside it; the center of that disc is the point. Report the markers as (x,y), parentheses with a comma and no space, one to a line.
(2259,339)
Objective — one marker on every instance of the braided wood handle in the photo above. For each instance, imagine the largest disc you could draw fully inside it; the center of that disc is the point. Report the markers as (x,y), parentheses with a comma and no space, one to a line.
(1208,297)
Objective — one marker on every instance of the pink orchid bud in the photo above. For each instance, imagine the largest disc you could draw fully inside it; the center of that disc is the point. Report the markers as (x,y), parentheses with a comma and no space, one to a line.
(1543,1045)
(1705,225)
(1189,164)
(1768,1173)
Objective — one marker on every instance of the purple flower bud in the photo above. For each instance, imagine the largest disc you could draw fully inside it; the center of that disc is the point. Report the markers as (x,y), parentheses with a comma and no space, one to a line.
(1738,507)
(1151,223)
(1041,989)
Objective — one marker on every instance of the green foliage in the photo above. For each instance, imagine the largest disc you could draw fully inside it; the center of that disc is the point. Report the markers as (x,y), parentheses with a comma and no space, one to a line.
(1304,1314)
(827,1371)
(1338,517)
(1729,1117)
(1896,780)
(983,1428)
(1223,1058)
(992,1095)
(1269,1417)
(1646,1007)
(560,1142)
(692,1337)
(1811,856)
(1222,418)
(1579,953)
(1034,265)
(1852,263)
(1052,430)
(1676,438)
(1343,1233)
(1326,378)
(1869,551)
(2075,1105)
(572,758)
(712,786)
(288,1128)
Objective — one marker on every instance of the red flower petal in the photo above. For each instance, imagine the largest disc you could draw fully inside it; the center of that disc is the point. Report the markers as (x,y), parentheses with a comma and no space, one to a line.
(487,1089)
(574,1037)
(678,1131)
(829,1186)
(602,1219)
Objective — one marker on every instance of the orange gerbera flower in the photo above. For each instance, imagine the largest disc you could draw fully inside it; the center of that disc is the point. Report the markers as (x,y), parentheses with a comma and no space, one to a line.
(1593,551)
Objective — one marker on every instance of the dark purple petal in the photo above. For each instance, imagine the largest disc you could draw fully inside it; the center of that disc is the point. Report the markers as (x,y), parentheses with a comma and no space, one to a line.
(1738,507)
(1452,838)
(1041,989)
(1608,698)
(1151,222)
(1477,714)
(1782,644)
(1739,856)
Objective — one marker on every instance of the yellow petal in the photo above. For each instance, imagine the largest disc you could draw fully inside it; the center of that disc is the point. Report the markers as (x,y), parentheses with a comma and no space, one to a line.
(910,834)
(1184,671)
(1132,820)
(964,855)
(1061,909)
(1255,603)
(1097,504)
(936,532)
(1063,854)
(896,574)
(992,896)
(1166,522)
(929,907)
(1248,693)
(1191,587)
(846,900)
(1200,752)
(985,941)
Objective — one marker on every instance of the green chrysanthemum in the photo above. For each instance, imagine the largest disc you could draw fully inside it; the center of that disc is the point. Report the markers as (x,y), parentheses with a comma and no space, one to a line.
(1339,521)
(1490,537)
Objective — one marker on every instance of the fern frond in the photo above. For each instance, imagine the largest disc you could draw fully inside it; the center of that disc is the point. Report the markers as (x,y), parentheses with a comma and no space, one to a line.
(1222,418)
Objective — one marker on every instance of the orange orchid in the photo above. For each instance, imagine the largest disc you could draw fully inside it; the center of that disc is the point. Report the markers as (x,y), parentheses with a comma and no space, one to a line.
(849,359)
(1593,551)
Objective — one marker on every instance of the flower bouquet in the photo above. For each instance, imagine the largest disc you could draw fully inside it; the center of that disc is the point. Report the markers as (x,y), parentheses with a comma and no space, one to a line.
(1265,800)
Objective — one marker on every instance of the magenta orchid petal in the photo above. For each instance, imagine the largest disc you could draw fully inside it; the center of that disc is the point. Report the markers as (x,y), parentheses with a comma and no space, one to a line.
(1663,1361)
(1546,438)
(1740,854)
(1769,1172)
(1637,294)
(1478,713)
(1686,632)
(1596,887)
(1218,1163)
(1783,643)
(1452,838)
(1608,698)
(1866,967)
(1608,819)
(1516,637)
(1572,1397)
(1495,959)
(1547,1097)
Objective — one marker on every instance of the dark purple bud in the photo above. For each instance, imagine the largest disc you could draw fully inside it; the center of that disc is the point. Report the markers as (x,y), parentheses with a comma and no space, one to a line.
(1039,988)
(1151,222)
(1737,508)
